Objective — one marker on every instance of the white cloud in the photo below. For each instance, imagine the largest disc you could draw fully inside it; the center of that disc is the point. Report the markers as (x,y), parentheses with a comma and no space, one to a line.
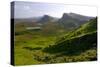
(27,7)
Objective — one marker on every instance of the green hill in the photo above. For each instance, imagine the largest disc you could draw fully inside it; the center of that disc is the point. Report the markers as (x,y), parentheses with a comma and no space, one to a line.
(77,42)
(89,27)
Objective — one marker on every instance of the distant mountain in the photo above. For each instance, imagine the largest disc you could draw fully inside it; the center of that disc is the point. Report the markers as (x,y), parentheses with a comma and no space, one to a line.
(68,21)
(47,18)
(40,19)
(80,17)
(72,20)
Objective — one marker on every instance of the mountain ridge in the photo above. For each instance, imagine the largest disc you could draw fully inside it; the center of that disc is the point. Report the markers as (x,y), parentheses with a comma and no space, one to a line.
(72,20)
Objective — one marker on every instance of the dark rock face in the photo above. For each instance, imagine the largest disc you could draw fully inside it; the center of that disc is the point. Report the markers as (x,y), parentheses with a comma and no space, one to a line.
(80,17)
(72,20)
(45,19)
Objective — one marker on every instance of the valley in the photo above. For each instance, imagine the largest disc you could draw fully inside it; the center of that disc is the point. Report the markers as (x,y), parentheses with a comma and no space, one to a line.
(49,40)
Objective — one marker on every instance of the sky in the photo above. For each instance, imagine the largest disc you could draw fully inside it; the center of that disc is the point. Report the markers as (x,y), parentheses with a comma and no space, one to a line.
(34,9)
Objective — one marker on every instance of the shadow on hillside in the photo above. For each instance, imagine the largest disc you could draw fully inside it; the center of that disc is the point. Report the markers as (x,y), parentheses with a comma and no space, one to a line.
(74,46)
(31,49)
(69,52)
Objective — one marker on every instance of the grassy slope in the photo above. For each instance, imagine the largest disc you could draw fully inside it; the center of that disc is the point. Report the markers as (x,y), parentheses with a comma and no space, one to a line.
(26,45)
(89,27)
(77,42)
(29,43)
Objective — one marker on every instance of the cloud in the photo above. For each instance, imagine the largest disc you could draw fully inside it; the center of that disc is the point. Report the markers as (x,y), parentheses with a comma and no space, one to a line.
(27,7)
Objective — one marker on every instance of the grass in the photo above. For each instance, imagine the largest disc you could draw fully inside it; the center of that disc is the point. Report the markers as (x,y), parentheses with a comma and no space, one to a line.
(50,46)
(27,44)
(29,50)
